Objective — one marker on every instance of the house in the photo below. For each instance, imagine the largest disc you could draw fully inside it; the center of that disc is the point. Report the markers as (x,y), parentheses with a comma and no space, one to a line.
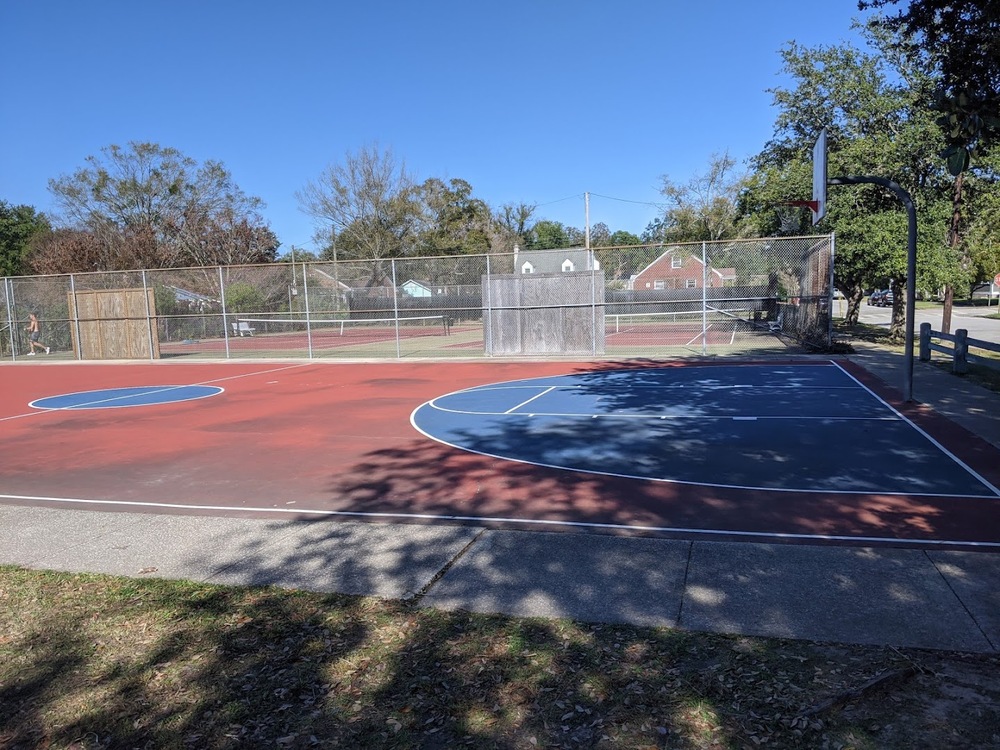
(679,269)
(416,288)
(565,260)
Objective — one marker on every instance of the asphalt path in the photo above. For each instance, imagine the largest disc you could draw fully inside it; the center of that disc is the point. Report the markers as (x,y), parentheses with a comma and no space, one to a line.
(974,320)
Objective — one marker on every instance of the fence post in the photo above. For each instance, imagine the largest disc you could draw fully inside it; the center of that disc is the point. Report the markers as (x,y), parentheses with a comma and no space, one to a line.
(76,318)
(925,342)
(225,315)
(305,293)
(704,300)
(395,307)
(961,358)
(488,315)
(8,291)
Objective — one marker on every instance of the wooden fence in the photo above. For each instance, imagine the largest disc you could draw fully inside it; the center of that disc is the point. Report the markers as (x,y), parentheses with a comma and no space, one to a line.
(959,349)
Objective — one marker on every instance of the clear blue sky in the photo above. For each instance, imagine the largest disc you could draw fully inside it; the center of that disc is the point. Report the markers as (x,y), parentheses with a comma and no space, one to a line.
(535,101)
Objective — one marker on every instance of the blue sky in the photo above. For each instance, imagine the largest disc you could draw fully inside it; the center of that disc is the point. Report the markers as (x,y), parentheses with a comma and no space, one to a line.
(529,101)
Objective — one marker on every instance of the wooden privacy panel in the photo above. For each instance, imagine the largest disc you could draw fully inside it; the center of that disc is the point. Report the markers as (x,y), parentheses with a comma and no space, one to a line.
(114,324)
(560,313)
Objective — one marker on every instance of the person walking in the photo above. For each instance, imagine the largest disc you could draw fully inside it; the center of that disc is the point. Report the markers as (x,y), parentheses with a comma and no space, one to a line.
(34,335)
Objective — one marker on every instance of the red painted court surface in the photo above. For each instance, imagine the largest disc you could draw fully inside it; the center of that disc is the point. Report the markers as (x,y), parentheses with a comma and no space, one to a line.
(335,441)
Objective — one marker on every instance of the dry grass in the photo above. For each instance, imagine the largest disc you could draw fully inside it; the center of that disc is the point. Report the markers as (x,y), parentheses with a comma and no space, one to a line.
(91,661)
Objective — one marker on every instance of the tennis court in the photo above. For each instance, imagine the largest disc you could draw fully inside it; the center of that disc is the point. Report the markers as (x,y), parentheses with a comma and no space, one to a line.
(790,451)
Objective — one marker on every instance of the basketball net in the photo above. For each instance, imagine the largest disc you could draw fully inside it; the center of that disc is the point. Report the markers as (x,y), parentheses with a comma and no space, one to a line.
(789,217)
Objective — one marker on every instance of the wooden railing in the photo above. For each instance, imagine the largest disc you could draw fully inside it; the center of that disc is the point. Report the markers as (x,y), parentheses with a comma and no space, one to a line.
(959,350)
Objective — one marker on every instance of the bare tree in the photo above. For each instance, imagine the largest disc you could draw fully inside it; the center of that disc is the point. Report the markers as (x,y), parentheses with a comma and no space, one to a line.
(369,203)
(152,207)
(705,208)
(511,226)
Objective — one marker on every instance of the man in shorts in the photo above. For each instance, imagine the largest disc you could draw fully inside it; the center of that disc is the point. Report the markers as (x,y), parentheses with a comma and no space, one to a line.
(34,335)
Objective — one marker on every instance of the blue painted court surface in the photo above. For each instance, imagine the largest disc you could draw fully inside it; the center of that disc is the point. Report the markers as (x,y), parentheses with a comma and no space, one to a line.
(785,428)
(118,398)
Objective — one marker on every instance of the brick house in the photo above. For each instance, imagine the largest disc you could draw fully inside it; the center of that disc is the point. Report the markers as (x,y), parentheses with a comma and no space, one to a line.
(676,269)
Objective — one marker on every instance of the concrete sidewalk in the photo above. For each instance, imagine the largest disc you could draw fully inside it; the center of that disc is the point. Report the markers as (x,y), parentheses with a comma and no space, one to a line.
(901,597)
(927,599)
(967,404)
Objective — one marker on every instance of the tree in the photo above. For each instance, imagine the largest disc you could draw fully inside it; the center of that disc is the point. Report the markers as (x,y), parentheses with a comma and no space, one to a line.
(511,225)
(877,125)
(369,204)
(546,235)
(66,251)
(982,238)
(19,225)
(152,207)
(961,42)
(455,221)
(621,238)
(600,235)
(704,208)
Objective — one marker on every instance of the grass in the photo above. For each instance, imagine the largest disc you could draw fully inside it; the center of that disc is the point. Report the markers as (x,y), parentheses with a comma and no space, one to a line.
(89,661)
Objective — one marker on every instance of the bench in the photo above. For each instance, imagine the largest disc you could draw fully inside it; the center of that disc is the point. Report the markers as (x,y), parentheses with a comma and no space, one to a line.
(242,328)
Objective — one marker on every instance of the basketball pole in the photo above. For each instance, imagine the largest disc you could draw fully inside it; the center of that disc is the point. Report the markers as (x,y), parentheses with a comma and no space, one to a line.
(911,266)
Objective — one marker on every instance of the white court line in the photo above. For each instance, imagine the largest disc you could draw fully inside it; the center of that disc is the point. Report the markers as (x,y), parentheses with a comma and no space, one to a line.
(537,395)
(507,520)
(82,407)
(96,403)
(891,416)
(982,480)
(603,415)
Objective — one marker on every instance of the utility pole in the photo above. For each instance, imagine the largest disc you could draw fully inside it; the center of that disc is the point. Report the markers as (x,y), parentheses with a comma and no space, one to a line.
(586,214)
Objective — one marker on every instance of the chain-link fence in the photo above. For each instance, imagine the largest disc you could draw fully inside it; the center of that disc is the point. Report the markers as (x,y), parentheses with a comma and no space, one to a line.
(720,298)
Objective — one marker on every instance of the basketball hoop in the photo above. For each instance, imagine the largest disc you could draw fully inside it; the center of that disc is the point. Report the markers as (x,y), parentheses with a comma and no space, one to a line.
(789,217)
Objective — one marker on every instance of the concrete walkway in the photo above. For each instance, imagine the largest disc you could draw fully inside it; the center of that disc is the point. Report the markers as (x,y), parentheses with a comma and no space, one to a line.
(901,597)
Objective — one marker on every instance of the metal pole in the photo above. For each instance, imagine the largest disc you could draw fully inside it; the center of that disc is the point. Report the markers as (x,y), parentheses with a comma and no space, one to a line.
(149,316)
(488,318)
(830,296)
(76,317)
(305,294)
(8,294)
(704,300)
(225,316)
(911,266)
(395,307)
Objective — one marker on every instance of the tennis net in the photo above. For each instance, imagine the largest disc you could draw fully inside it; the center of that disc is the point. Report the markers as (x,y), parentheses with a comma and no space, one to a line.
(363,328)
(687,327)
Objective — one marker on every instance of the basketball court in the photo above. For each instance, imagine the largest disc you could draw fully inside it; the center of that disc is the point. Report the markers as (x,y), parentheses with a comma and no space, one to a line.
(797,451)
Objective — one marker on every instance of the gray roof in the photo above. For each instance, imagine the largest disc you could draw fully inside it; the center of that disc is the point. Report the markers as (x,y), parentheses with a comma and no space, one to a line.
(551,261)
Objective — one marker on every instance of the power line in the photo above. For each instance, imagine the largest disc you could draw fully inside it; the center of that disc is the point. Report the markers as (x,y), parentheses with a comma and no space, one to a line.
(560,200)
(626,200)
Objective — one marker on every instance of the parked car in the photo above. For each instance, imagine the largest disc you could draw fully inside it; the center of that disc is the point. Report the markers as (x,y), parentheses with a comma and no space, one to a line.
(881,298)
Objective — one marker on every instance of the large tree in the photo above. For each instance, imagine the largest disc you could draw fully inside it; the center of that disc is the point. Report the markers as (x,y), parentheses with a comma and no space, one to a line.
(152,207)
(960,41)
(547,235)
(871,107)
(455,222)
(368,205)
(706,206)
(19,225)
(511,226)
